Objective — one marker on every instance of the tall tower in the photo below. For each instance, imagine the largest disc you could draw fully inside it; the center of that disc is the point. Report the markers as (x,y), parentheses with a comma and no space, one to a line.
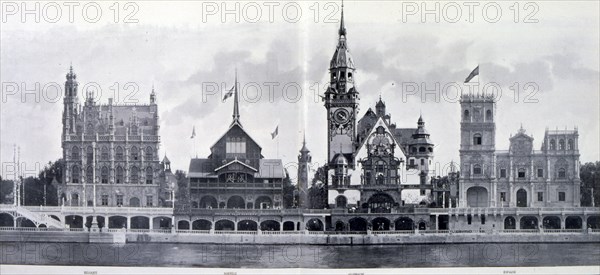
(421,149)
(341,101)
(477,151)
(70,103)
(304,159)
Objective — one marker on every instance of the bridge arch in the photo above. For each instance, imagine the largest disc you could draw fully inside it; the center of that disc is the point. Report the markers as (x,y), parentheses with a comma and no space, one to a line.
(6,220)
(24,222)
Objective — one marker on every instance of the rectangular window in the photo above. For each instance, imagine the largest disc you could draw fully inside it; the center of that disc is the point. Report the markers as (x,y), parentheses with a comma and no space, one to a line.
(561,196)
(235,147)
(119,200)
(422,192)
(502,196)
(502,173)
(469,219)
(540,173)
(482,219)
(540,196)
(521,173)
(104,200)
(149,201)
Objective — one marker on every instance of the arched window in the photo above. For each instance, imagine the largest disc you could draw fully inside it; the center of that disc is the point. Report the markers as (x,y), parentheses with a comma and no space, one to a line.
(120,175)
(467,116)
(104,154)
(430,149)
(89,174)
(148,153)
(477,169)
(149,175)
(119,153)
(134,177)
(562,173)
(75,153)
(104,175)
(135,154)
(561,144)
(552,144)
(422,161)
(477,139)
(90,154)
(413,149)
(571,145)
(422,150)
(75,172)
(521,173)
(488,115)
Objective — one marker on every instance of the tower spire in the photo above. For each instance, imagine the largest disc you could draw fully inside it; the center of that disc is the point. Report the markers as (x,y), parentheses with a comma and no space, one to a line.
(236,110)
(342,30)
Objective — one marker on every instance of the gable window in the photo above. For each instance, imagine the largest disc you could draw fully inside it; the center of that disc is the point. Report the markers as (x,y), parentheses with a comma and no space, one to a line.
(561,196)
(521,173)
(540,173)
(235,147)
(477,139)
(503,173)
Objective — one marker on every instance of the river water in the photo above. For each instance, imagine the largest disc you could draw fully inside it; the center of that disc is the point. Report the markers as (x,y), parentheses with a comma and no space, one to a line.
(300,256)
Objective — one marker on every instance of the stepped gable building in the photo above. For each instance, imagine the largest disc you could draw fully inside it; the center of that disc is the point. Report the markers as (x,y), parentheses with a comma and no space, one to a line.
(366,157)
(110,152)
(520,176)
(236,175)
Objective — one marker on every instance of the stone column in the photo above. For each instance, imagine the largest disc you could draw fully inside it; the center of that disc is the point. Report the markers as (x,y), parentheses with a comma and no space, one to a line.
(128,222)
(151,223)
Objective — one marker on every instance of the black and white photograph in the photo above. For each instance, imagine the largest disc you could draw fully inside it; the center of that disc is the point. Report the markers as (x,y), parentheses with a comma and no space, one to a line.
(300,137)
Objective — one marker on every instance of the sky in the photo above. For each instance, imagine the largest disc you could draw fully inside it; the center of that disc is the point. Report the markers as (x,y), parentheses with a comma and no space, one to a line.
(543,57)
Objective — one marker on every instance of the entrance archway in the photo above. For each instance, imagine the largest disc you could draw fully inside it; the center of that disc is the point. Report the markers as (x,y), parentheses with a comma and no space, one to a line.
(201,225)
(247,225)
(236,202)
(139,222)
(380,224)
(477,196)
(225,225)
(404,223)
(263,202)
(381,203)
(357,224)
(117,222)
(551,222)
(529,222)
(288,226)
(208,202)
(183,225)
(510,223)
(521,198)
(314,225)
(573,222)
(269,225)
(6,220)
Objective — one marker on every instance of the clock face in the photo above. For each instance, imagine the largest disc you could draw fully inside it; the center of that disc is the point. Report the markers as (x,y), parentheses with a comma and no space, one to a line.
(341,116)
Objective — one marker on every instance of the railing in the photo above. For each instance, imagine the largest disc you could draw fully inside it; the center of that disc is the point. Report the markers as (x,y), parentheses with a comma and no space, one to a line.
(192,231)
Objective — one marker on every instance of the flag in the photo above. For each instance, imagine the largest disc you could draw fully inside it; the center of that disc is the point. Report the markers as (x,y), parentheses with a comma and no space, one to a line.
(228,94)
(193,132)
(472,74)
(274,134)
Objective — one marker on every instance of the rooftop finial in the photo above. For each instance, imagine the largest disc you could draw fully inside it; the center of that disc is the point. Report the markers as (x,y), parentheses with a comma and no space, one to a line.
(342,30)
(236,111)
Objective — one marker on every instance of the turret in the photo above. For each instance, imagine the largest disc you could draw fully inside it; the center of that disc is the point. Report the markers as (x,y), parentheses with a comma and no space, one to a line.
(304,159)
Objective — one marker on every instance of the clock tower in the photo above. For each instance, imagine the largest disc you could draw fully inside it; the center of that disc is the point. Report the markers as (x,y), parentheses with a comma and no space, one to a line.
(341,101)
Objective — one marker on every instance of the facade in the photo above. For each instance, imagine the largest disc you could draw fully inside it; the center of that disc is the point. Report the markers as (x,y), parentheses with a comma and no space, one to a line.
(236,175)
(110,152)
(367,158)
(520,176)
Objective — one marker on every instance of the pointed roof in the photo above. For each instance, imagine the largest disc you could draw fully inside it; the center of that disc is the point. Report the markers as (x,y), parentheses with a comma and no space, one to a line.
(342,30)
(166,159)
(236,161)
(236,109)
(342,57)
(380,103)
(304,148)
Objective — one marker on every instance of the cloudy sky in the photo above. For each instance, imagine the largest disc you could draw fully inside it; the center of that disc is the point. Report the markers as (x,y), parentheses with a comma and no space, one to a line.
(186,48)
